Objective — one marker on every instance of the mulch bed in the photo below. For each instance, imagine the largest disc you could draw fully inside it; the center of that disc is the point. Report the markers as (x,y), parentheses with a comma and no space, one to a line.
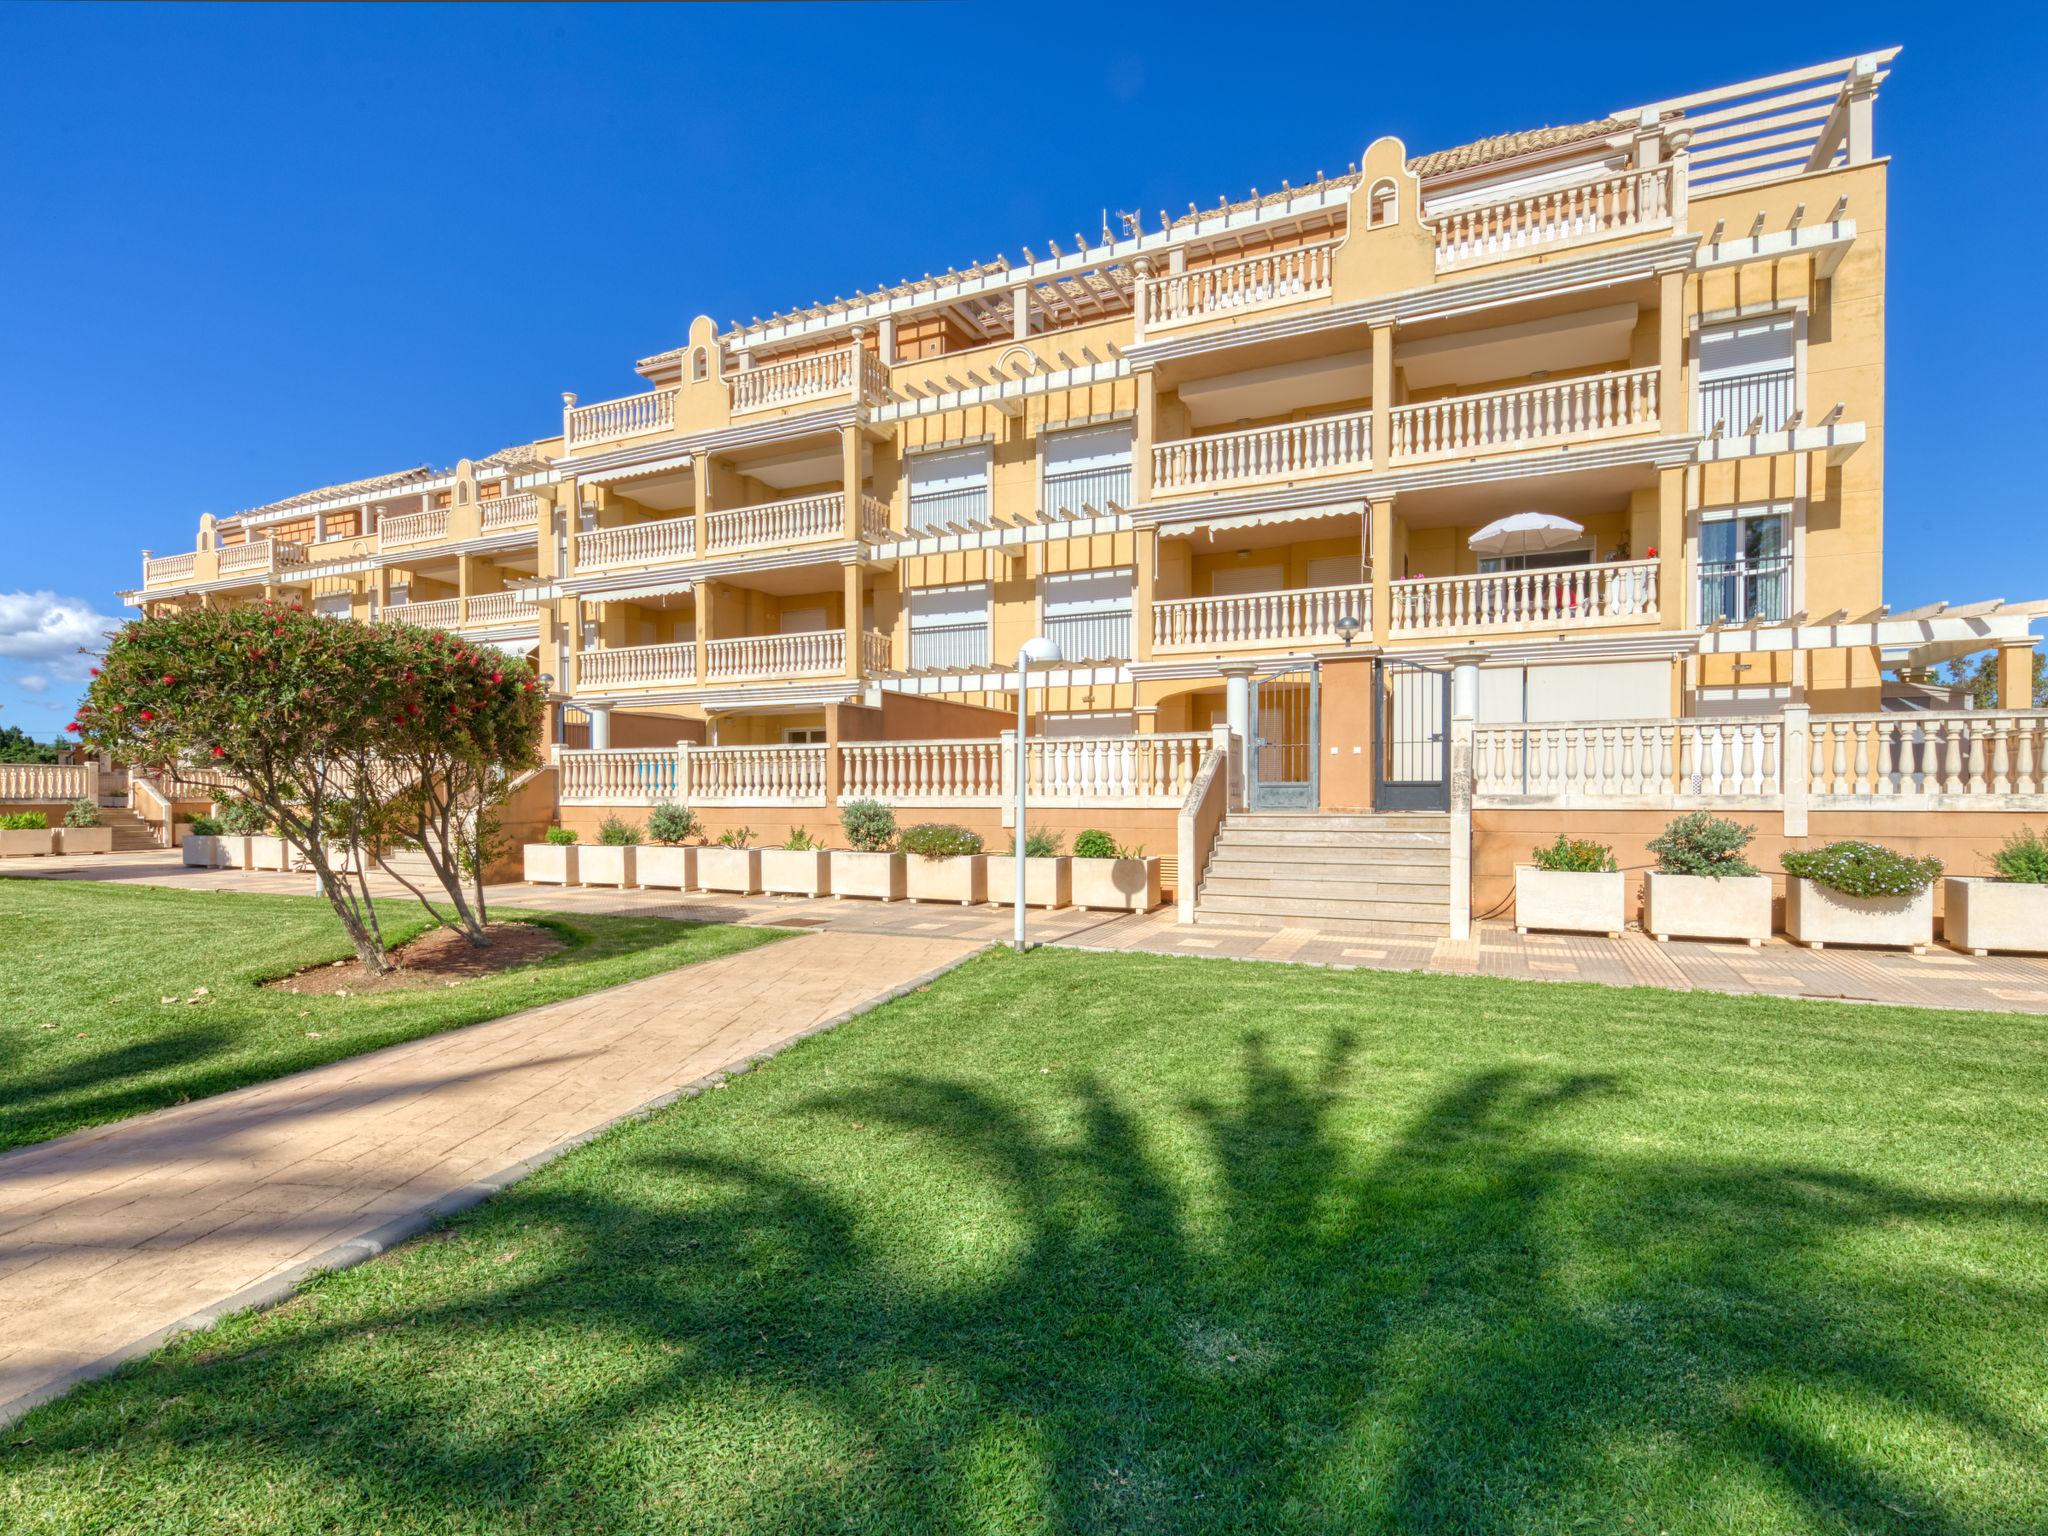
(441,958)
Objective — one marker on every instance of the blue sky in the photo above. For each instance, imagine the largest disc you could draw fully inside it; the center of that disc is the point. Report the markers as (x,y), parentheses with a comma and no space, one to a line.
(247,250)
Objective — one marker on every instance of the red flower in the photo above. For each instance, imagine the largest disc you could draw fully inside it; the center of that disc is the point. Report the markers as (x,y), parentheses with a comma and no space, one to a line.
(149,714)
(169,680)
(74,727)
(497,677)
(220,752)
(1652,553)
(95,671)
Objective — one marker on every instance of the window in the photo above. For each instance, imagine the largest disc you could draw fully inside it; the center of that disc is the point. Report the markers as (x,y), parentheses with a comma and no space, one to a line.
(1550,560)
(336,605)
(1382,204)
(1087,614)
(1745,566)
(803,736)
(1087,468)
(699,367)
(949,628)
(1746,374)
(950,486)
(801,621)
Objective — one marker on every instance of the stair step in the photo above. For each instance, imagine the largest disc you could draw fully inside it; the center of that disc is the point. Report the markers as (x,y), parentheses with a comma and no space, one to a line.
(1324,845)
(1342,928)
(1317,908)
(1403,885)
(1385,821)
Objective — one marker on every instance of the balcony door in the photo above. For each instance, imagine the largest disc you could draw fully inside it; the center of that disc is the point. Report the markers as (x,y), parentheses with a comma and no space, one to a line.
(1087,614)
(1745,565)
(950,486)
(1747,374)
(1086,468)
(949,628)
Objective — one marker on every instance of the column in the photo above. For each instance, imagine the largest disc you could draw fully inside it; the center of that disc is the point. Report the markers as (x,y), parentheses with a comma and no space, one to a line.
(1145,718)
(701,471)
(1672,412)
(1237,716)
(850,587)
(600,726)
(885,340)
(2016,673)
(1020,312)
(1147,541)
(1144,431)
(849,478)
(1382,396)
(1379,546)
(1673,601)
(701,627)
(1795,761)
(1464,721)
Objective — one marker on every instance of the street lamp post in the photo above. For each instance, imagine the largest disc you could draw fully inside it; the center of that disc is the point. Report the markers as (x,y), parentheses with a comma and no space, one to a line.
(1042,652)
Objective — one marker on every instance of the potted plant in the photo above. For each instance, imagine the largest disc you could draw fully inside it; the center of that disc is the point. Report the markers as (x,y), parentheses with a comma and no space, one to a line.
(731,865)
(1108,877)
(1572,885)
(1859,893)
(1048,873)
(944,863)
(669,864)
(246,830)
(82,831)
(2006,911)
(867,867)
(800,867)
(1702,887)
(552,860)
(25,833)
(609,861)
(204,847)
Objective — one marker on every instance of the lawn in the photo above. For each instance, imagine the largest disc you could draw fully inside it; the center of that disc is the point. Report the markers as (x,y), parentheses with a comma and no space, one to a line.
(1093,1243)
(85,1036)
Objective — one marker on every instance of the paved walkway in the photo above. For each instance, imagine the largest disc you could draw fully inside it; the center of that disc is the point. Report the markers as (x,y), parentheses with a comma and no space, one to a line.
(110,1239)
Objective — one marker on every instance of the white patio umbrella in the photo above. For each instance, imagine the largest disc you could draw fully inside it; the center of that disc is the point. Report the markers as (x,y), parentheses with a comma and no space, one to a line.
(1525,533)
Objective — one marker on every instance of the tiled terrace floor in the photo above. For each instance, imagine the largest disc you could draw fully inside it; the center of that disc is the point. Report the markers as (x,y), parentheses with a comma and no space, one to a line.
(1940,978)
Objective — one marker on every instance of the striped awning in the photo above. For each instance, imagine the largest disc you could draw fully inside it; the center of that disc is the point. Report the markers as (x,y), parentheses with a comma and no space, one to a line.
(1316,514)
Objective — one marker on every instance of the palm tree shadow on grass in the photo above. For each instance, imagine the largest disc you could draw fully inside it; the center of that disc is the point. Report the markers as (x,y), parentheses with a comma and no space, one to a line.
(1474,1325)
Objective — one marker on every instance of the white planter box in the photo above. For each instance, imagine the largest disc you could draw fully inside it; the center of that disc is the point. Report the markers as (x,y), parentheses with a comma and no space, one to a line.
(667,868)
(208,852)
(26,842)
(1981,915)
(85,839)
(1701,907)
(1115,885)
(600,864)
(877,875)
(1816,916)
(1574,901)
(269,853)
(1047,882)
(961,877)
(796,871)
(729,869)
(551,863)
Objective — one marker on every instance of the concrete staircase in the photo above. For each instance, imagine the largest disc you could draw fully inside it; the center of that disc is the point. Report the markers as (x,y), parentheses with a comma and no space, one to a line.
(131,833)
(1364,875)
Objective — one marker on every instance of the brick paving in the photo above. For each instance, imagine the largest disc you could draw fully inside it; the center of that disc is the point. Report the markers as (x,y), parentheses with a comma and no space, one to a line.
(112,1238)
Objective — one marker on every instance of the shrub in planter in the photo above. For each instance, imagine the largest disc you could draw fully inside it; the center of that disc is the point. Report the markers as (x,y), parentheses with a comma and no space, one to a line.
(800,867)
(736,837)
(25,833)
(1859,893)
(1048,873)
(242,818)
(82,813)
(559,837)
(611,861)
(616,832)
(202,846)
(1702,887)
(82,831)
(670,866)
(870,826)
(670,823)
(205,826)
(2008,912)
(730,865)
(1108,876)
(946,863)
(1573,885)
(553,860)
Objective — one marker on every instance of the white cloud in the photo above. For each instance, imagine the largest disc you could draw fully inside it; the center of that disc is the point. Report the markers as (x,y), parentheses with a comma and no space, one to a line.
(33,682)
(49,631)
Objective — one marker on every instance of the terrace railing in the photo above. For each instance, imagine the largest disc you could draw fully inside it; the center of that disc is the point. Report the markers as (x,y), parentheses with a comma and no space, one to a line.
(1601,208)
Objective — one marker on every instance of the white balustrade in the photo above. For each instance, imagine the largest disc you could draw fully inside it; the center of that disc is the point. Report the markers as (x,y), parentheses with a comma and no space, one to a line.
(1306,616)
(441,613)
(874,520)
(1114,770)
(798,520)
(631,416)
(1280,277)
(261,555)
(168,567)
(1613,592)
(669,538)
(619,775)
(505,512)
(1597,209)
(791,775)
(1935,757)
(1603,405)
(1650,763)
(413,528)
(923,772)
(499,608)
(1325,445)
(817,377)
(48,783)
(875,653)
(807,654)
(637,666)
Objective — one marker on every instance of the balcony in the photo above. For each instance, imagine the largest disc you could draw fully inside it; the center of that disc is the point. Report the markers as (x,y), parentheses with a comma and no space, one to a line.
(488,610)
(260,557)
(168,568)
(671,538)
(1604,208)
(1325,445)
(849,372)
(812,653)
(1254,620)
(413,528)
(1504,602)
(1504,420)
(1257,282)
(609,421)
(637,666)
(502,514)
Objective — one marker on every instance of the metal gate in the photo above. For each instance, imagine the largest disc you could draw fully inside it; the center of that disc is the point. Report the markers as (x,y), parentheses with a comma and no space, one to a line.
(1285,740)
(1411,732)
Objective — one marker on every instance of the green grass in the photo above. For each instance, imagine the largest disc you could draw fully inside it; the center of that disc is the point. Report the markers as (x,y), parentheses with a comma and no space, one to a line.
(96,961)
(1091,1243)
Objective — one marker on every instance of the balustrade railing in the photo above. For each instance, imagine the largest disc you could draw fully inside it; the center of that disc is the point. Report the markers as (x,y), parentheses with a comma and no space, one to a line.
(805,654)
(795,521)
(498,608)
(1325,445)
(413,528)
(1603,405)
(630,416)
(439,613)
(619,775)
(1597,209)
(1254,282)
(48,783)
(1114,770)
(505,512)
(1306,615)
(791,775)
(1651,763)
(817,377)
(168,567)
(261,555)
(636,666)
(1926,757)
(923,772)
(1613,592)
(669,538)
